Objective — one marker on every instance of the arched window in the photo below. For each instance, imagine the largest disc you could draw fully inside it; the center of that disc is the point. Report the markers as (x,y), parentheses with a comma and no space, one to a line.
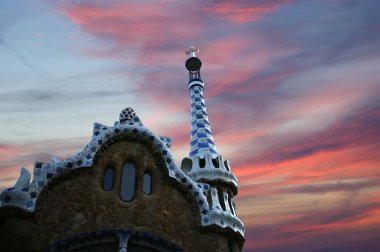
(108,179)
(147,184)
(128,182)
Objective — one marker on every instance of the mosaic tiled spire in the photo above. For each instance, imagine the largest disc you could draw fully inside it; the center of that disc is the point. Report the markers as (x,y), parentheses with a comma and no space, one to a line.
(204,164)
(201,140)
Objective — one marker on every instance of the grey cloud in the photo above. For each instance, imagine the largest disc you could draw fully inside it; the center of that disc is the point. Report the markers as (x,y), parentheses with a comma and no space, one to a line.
(331,187)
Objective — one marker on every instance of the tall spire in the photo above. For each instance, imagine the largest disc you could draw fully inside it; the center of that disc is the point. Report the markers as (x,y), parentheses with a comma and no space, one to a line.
(201,140)
(204,164)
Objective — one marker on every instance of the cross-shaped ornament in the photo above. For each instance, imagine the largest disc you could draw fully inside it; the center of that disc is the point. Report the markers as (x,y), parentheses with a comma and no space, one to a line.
(192,51)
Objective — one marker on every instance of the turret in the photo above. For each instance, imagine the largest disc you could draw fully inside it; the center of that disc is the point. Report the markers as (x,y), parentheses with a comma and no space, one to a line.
(204,163)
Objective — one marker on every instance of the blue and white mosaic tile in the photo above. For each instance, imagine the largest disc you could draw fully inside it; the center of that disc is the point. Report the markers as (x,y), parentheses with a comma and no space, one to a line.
(200,135)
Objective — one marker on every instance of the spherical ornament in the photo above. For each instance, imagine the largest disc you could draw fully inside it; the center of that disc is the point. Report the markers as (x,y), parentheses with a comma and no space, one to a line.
(193,64)
(127,114)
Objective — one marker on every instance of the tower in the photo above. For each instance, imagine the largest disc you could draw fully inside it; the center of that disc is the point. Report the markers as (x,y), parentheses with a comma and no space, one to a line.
(204,164)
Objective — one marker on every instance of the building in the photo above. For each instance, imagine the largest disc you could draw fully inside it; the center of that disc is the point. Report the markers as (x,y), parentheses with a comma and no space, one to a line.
(124,192)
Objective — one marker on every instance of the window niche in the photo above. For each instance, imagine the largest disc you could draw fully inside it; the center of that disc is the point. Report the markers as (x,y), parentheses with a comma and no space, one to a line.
(128,182)
(147,184)
(108,178)
(221,199)
(230,203)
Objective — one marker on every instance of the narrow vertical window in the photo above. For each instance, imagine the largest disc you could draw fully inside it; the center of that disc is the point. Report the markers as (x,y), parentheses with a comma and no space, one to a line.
(221,199)
(147,184)
(128,182)
(230,203)
(108,179)
(202,162)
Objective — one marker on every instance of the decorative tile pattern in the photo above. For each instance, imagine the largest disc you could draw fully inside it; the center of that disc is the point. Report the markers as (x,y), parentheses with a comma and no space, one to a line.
(200,135)
(167,140)
(123,240)
(206,163)
(209,171)
(127,114)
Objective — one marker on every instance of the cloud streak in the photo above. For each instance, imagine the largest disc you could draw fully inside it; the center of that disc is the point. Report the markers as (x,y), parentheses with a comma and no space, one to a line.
(24,60)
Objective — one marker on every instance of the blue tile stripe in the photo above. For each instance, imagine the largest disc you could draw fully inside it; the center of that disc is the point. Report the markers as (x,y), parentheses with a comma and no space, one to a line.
(201,140)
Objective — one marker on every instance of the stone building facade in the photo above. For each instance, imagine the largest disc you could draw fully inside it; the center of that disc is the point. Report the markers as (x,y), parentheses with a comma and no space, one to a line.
(124,192)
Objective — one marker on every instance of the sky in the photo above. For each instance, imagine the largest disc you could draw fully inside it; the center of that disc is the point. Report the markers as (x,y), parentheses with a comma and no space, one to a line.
(292,90)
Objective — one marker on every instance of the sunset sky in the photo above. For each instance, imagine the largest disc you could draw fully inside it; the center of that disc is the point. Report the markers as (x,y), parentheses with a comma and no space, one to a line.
(292,91)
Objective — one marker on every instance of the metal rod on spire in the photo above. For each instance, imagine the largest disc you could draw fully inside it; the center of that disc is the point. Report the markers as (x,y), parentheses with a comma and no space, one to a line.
(192,51)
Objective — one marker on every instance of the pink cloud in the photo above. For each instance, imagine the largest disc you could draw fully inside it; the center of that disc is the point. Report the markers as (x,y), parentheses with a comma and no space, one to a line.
(135,25)
(244,12)
(7,150)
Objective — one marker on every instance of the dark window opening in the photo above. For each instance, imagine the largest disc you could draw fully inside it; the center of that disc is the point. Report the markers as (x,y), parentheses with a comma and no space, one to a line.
(202,162)
(221,199)
(147,184)
(128,182)
(230,203)
(215,162)
(227,164)
(108,179)
(186,164)
(209,198)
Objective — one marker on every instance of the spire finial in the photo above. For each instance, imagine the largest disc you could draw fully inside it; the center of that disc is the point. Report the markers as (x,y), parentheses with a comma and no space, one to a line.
(127,114)
(192,51)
